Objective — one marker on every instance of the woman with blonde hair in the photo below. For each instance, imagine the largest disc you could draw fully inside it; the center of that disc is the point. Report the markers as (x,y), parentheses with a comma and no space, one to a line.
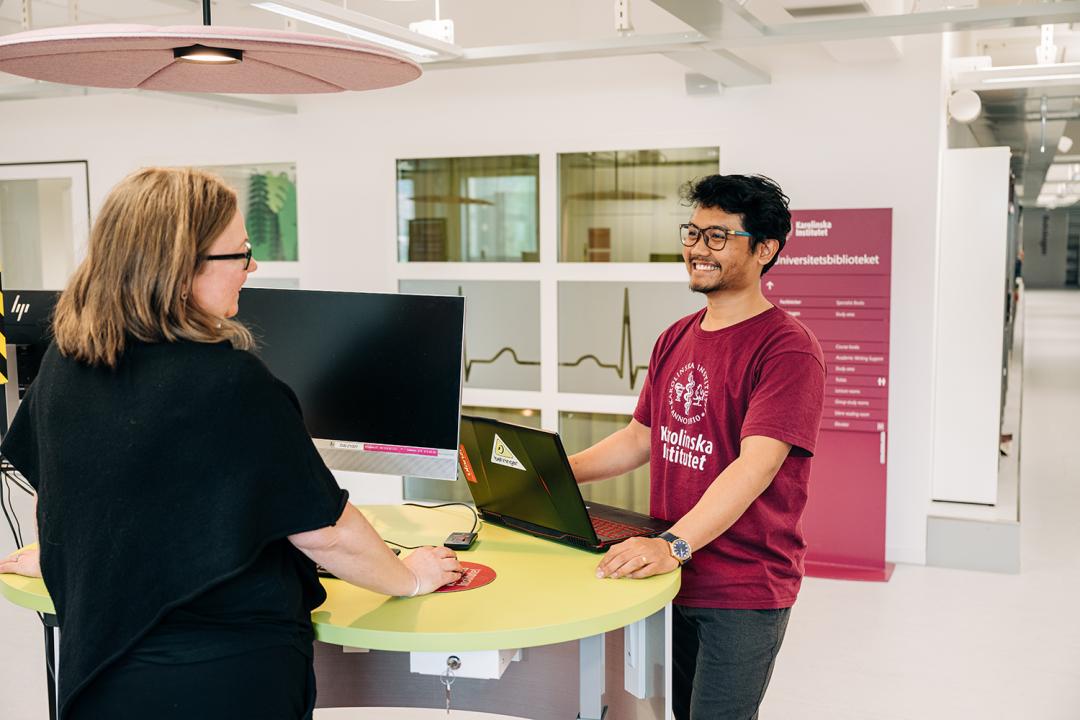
(181,503)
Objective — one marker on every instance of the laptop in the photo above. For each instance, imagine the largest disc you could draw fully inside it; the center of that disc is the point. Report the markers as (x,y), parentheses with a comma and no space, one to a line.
(520,478)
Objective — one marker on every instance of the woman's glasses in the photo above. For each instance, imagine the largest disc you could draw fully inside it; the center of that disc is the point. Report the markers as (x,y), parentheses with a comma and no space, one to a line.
(245,256)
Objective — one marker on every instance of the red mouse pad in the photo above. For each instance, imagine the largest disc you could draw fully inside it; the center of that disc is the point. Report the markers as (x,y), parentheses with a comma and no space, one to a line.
(475,575)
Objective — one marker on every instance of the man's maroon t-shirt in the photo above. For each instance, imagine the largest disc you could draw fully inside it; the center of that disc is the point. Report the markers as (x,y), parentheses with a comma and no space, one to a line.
(706,391)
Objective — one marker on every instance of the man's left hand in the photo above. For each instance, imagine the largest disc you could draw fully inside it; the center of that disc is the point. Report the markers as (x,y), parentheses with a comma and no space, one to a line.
(637,558)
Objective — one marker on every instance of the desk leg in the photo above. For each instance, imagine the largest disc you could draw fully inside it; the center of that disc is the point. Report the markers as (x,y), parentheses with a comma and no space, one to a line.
(669,668)
(52,661)
(591,689)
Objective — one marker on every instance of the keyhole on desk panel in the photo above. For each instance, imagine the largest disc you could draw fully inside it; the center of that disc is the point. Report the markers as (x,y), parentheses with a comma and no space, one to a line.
(452,663)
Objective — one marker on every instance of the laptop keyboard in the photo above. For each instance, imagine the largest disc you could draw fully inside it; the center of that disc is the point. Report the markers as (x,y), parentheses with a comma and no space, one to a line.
(610,530)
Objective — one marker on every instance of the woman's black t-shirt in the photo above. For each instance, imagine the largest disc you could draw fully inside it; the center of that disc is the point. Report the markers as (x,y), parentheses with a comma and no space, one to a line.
(167,488)
(264,606)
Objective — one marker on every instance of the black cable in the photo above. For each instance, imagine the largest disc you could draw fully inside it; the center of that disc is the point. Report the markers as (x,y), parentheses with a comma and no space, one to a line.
(9,515)
(21,483)
(8,470)
(7,500)
(7,503)
(476,517)
(476,521)
(403,547)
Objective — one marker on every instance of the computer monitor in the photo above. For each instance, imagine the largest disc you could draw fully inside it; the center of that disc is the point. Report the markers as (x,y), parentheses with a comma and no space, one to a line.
(27,331)
(378,375)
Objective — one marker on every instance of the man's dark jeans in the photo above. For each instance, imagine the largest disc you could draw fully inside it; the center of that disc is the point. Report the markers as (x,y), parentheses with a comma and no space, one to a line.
(723,660)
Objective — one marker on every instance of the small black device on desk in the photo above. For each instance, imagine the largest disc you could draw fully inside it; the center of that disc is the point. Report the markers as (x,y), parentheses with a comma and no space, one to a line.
(460,540)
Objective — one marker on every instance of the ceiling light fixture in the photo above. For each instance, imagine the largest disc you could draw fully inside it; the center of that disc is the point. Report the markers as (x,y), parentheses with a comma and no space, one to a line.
(201,58)
(615,193)
(450,200)
(340,27)
(203,54)
(363,27)
(1032,78)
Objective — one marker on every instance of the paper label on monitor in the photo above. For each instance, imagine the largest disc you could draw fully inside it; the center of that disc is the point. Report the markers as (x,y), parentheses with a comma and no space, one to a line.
(502,455)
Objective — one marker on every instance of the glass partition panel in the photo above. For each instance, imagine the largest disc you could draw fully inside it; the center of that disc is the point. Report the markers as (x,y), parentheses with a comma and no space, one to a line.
(44,222)
(37,248)
(502,330)
(581,430)
(428,490)
(468,209)
(624,205)
(607,331)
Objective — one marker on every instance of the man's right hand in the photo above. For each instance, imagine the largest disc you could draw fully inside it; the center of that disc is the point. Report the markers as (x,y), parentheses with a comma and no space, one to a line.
(434,567)
(23,562)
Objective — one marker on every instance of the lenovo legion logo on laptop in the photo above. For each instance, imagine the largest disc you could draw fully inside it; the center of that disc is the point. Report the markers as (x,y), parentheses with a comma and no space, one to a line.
(502,455)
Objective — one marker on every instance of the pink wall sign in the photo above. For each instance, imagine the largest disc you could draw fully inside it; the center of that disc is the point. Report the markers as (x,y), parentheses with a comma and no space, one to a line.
(834,276)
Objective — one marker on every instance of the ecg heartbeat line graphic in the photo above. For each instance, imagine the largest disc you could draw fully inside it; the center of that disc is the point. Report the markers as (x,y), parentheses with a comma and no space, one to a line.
(626,350)
(491,360)
(488,361)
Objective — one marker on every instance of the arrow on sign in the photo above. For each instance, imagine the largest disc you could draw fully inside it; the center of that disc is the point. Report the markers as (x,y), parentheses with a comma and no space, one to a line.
(881,382)
(770,285)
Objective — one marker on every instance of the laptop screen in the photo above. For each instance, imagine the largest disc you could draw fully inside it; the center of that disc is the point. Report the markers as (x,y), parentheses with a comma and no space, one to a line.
(522,474)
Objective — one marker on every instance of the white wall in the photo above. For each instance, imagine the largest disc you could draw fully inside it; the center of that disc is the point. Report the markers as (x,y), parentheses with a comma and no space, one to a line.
(833,135)
(972,258)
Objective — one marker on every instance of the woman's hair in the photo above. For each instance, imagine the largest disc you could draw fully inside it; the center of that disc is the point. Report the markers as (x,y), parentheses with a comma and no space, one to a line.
(146,247)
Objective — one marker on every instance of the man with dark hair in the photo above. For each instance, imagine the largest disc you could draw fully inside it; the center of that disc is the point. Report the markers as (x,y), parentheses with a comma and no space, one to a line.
(728,419)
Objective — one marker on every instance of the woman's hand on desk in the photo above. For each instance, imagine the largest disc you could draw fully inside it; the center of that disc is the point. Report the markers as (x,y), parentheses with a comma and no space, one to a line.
(433,567)
(354,552)
(22,562)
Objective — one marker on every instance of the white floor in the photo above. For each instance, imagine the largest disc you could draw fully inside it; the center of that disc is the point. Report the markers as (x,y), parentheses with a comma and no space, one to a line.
(932,643)
(949,644)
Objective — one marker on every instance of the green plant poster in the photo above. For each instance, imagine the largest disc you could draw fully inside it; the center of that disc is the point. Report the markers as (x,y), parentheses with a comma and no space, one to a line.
(267,194)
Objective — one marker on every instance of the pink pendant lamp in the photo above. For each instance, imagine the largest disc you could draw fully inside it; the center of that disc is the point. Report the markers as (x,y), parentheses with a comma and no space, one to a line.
(194,58)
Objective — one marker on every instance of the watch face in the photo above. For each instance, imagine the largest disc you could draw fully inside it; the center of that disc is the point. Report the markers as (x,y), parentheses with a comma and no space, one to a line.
(681,548)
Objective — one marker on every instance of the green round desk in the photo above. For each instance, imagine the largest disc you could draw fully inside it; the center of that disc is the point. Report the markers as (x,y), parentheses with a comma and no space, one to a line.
(543,593)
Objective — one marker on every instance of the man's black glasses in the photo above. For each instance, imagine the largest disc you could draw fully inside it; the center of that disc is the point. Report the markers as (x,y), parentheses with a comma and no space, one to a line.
(245,256)
(715,236)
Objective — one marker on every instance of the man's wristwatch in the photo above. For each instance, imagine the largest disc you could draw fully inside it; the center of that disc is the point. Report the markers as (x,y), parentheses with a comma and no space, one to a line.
(680,549)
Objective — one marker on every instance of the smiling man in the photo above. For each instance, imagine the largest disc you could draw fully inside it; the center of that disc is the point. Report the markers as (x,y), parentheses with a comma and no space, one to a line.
(728,419)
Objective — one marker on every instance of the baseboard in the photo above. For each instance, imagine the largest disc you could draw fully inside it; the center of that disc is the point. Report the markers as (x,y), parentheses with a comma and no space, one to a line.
(964,544)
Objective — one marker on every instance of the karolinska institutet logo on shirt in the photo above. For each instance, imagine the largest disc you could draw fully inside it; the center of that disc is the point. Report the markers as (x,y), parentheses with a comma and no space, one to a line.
(688,396)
